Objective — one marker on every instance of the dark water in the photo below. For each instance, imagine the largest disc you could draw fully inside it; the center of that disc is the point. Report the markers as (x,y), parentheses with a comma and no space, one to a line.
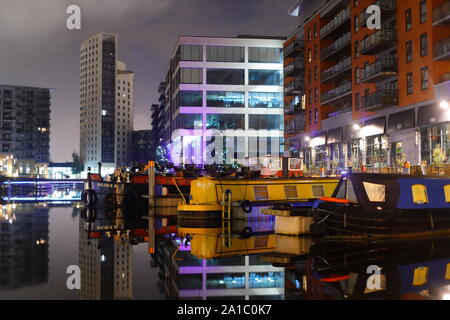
(202,260)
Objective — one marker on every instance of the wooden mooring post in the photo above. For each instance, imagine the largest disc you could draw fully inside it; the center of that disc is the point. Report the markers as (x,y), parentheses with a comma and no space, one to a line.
(151,207)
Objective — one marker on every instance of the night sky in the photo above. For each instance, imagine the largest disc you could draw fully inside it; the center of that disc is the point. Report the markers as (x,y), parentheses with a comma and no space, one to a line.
(36,48)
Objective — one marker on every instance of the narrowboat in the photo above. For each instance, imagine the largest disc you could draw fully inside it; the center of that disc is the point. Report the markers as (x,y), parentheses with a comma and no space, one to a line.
(212,197)
(384,205)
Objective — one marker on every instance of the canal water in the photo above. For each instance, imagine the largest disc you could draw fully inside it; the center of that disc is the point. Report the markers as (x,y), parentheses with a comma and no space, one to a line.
(63,251)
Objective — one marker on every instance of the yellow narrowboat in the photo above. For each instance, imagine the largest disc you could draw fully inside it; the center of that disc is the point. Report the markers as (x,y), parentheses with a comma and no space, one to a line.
(214,198)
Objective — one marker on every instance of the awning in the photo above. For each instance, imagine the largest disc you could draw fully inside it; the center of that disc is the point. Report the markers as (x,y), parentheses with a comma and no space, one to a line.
(428,115)
(374,127)
(335,135)
(401,120)
(350,133)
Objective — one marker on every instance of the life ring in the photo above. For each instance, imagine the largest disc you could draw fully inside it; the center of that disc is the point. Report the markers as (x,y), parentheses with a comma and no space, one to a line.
(246,206)
(246,233)
(89,197)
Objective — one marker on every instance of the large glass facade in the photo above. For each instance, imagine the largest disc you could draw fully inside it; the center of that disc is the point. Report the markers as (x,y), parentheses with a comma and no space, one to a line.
(265,99)
(265,55)
(225,54)
(225,76)
(320,160)
(227,99)
(188,99)
(265,122)
(354,153)
(265,77)
(189,75)
(266,280)
(225,121)
(225,281)
(336,155)
(376,151)
(435,143)
(188,121)
(191,53)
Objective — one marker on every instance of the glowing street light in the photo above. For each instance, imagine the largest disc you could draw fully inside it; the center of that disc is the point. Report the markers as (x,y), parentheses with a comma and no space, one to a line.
(307,139)
(356,127)
(444,105)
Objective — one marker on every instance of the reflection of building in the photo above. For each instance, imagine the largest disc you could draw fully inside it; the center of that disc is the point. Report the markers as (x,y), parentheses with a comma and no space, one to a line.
(355,95)
(23,246)
(106,267)
(106,104)
(227,88)
(141,144)
(237,277)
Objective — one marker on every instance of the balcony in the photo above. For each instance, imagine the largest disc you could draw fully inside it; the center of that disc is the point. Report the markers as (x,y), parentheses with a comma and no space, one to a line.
(337,93)
(380,70)
(388,9)
(336,47)
(381,98)
(441,14)
(294,68)
(337,24)
(295,126)
(337,71)
(293,107)
(442,50)
(294,88)
(294,48)
(379,41)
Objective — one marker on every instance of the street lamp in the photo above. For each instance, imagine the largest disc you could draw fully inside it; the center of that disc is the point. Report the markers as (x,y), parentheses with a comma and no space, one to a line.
(444,105)
(356,127)
(307,139)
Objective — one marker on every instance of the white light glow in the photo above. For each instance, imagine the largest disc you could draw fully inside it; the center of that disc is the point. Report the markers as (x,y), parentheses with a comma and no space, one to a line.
(446,296)
(307,139)
(444,104)
(356,127)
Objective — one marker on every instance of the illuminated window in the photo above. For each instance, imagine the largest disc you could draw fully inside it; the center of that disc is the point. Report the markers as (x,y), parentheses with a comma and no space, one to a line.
(261,192)
(420,276)
(447,272)
(419,193)
(447,193)
(375,192)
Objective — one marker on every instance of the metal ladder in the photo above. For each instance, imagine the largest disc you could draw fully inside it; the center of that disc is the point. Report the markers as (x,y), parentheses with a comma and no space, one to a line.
(226,219)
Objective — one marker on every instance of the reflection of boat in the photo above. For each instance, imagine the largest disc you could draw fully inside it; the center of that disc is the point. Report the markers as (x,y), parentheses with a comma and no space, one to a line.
(402,269)
(208,195)
(386,205)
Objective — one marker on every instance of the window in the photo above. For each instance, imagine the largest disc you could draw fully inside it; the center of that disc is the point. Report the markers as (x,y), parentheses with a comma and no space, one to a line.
(265,77)
(265,55)
(315,30)
(316,116)
(423,11)
(419,194)
(316,73)
(265,99)
(309,76)
(424,78)
(265,122)
(356,23)
(310,117)
(376,151)
(375,192)
(356,49)
(188,98)
(225,54)
(225,121)
(355,3)
(315,51)
(420,276)
(188,121)
(409,83)
(290,191)
(309,97)
(408,20)
(423,45)
(225,280)
(261,192)
(447,193)
(357,75)
(190,75)
(309,34)
(316,94)
(409,51)
(227,99)
(309,55)
(225,76)
(357,101)
(191,53)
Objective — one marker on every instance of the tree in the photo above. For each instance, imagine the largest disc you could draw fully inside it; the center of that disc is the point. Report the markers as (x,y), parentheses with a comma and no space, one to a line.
(78,164)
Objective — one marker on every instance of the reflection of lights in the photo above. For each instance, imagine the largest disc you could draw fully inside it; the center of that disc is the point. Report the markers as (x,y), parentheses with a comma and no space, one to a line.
(123,275)
(234,281)
(103,258)
(10,221)
(446,296)
(221,281)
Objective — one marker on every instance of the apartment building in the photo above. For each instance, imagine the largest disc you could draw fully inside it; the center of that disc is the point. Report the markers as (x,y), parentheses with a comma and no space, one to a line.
(361,96)
(223,99)
(106,104)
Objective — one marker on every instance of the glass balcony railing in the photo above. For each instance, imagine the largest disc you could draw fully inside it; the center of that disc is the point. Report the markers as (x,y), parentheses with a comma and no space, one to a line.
(294,67)
(295,46)
(336,46)
(442,50)
(441,14)
(381,97)
(379,70)
(335,70)
(295,126)
(336,92)
(293,107)
(294,88)
(378,41)
(340,18)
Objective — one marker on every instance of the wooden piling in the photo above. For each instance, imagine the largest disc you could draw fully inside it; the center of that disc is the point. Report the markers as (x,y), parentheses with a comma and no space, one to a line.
(151,207)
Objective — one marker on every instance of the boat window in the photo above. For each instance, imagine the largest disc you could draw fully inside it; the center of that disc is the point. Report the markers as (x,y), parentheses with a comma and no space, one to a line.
(291,192)
(419,193)
(420,276)
(375,192)
(351,195)
(447,193)
(447,272)
(341,192)
(261,192)
(317,190)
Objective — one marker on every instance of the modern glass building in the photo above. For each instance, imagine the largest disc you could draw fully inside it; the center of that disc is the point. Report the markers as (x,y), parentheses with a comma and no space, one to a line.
(223,99)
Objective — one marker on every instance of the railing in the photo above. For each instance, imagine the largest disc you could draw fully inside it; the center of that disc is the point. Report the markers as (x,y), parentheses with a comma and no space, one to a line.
(383,65)
(293,107)
(445,78)
(339,112)
(381,97)
(336,69)
(442,48)
(293,46)
(298,64)
(294,87)
(336,92)
(336,45)
(442,12)
(380,36)
(333,24)
(295,126)
(386,6)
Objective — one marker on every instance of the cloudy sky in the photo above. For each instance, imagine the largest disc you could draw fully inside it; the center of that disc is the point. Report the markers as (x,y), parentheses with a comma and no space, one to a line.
(36,48)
